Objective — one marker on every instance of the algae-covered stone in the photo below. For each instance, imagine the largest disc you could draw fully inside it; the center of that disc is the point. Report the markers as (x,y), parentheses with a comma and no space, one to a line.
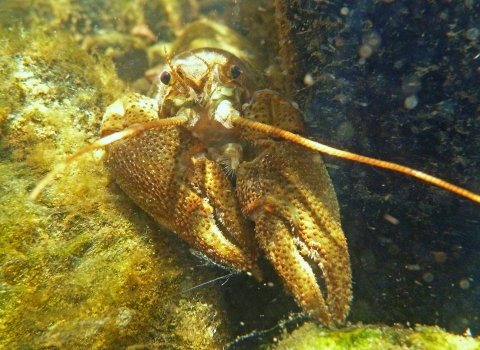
(309,336)
(82,267)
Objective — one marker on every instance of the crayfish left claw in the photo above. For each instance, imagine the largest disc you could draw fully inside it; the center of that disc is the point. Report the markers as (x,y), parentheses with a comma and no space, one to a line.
(289,195)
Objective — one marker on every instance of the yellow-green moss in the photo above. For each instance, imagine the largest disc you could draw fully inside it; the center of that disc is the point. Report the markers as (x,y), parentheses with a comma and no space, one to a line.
(309,336)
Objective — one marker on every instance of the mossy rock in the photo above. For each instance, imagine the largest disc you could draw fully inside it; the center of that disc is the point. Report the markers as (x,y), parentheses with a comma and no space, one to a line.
(82,267)
(310,336)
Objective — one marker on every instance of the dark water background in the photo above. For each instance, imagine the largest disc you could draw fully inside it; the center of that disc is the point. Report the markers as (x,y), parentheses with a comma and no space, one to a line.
(398,81)
(413,98)
(424,50)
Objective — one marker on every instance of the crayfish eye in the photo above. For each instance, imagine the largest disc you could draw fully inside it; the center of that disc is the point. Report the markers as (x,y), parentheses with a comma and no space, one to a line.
(165,77)
(235,72)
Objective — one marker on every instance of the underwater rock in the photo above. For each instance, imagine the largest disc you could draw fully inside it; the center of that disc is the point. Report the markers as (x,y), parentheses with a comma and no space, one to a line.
(82,267)
(309,336)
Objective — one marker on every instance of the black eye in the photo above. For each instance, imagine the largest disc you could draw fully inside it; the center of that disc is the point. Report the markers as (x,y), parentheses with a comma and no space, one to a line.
(235,72)
(165,77)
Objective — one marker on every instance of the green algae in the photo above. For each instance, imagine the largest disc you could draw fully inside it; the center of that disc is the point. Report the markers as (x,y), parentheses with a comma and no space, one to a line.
(82,267)
(102,26)
(309,336)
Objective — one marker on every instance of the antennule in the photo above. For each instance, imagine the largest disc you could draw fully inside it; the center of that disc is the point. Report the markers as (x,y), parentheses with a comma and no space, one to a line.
(174,71)
(355,157)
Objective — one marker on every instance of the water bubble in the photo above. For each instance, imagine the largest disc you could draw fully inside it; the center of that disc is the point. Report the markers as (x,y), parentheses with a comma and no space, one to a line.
(428,277)
(342,98)
(472,33)
(411,102)
(308,79)
(394,249)
(464,283)
(370,42)
(367,258)
(236,10)
(344,11)
(447,107)
(439,257)
(372,39)
(345,131)
(398,64)
(365,51)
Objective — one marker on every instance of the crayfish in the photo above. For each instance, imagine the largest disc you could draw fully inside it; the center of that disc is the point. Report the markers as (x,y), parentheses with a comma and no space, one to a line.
(217,156)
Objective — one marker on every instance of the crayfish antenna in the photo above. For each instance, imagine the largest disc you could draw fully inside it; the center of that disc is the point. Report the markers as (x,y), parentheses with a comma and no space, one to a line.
(269,129)
(201,285)
(120,135)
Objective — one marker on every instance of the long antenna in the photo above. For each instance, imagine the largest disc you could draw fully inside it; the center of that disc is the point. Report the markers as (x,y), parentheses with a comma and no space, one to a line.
(355,157)
(269,129)
(200,285)
(126,133)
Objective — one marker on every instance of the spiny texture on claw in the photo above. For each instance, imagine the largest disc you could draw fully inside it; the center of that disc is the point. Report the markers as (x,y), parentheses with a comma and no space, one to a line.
(288,193)
(213,183)
(127,111)
(156,169)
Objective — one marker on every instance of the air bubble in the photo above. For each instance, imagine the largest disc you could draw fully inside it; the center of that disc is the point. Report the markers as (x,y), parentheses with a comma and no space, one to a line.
(345,131)
(411,102)
(308,79)
(370,42)
(372,39)
(464,283)
(472,34)
(365,51)
(428,277)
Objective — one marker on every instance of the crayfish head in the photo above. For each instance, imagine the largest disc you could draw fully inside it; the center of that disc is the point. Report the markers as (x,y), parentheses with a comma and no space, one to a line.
(201,79)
